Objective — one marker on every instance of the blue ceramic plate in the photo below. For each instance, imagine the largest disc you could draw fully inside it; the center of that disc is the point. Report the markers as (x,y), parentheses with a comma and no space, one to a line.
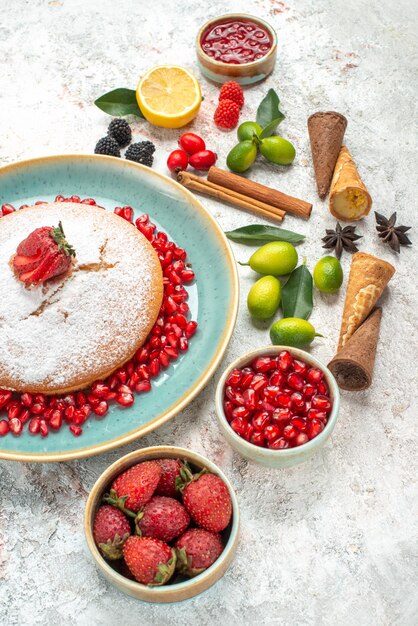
(213,298)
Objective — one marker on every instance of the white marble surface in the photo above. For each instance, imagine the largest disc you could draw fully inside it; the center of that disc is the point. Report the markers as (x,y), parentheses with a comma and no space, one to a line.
(332,541)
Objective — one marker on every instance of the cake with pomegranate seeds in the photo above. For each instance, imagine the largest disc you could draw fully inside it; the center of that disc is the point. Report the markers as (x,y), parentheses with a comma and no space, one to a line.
(80,290)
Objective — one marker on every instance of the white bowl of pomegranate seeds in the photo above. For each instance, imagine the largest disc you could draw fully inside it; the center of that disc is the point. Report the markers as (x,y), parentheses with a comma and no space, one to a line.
(277,405)
(159,528)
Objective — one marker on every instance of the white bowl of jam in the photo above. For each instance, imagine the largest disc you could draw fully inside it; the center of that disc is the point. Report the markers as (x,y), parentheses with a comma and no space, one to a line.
(236,47)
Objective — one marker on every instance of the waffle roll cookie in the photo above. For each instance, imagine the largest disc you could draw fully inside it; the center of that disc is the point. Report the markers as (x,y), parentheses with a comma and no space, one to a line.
(326,134)
(369,276)
(353,365)
(349,199)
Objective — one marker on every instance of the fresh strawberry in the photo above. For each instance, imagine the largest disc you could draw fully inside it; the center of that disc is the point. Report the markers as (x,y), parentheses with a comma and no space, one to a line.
(227,114)
(134,488)
(207,499)
(45,253)
(196,550)
(170,471)
(162,518)
(110,530)
(151,561)
(232,91)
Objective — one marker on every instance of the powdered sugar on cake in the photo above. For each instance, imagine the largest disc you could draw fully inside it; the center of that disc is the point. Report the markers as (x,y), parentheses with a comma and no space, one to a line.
(79,327)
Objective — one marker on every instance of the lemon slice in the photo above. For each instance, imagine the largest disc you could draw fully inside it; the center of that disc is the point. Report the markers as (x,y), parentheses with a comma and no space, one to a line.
(169,96)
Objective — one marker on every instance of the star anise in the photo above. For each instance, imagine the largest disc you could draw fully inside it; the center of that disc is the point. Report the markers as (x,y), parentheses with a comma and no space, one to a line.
(341,239)
(391,234)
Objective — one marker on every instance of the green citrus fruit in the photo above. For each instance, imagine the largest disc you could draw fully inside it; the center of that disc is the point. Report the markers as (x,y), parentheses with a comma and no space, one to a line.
(276,258)
(292,331)
(242,156)
(246,130)
(328,274)
(278,150)
(264,297)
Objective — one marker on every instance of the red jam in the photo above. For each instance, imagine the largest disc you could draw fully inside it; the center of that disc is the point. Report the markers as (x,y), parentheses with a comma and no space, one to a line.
(236,41)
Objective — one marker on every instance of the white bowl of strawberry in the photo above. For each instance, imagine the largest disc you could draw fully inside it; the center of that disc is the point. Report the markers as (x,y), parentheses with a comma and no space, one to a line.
(277,405)
(162,524)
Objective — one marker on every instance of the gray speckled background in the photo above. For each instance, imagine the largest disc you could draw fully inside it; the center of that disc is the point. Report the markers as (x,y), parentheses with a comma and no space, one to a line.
(332,541)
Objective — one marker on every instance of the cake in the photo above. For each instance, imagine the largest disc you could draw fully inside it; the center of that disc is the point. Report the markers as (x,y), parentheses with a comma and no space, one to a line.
(63,334)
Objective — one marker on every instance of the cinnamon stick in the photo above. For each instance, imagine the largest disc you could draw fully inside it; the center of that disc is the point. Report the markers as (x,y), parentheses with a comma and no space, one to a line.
(260,192)
(201,185)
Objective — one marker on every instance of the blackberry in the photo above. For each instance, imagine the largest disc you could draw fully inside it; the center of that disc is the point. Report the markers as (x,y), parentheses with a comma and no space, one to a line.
(120,130)
(107,145)
(141,152)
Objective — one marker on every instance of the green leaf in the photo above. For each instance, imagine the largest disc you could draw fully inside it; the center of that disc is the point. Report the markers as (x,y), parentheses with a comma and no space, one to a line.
(297,294)
(268,113)
(119,102)
(262,233)
(270,128)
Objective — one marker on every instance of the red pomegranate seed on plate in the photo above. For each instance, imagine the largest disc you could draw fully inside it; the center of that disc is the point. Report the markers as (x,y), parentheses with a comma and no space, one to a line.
(76,430)
(281,416)
(34,425)
(15,426)
(257,438)
(258,382)
(263,364)
(235,396)
(315,426)
(240,411)
(299,367)
(260,420)
(283,400)
(276,379)
(69,412)
(5,397)
(190,329)
(171,352)
(295,381)
(4,427)
(239,425)
(309,390)
(38,408)
(279,444)
(13,410)
(143,386)
(183,344)
(323,389)
(300,423)
(101,408)
(25,415)
(26,399)
(187,276)
(6,209)
(297,401)
(154,367)
(314,375)
(125,399)
(56,420)
(250,399)
(317,414)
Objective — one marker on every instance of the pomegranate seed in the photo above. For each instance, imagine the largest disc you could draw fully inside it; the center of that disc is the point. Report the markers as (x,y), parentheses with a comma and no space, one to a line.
(183,344)
(300,423)
(181,321)
(172,340)
(300,439)
(247,378)
(258,382)
(79,417)
(26,399)
(15,426)
(122,375)
(297,401)
(5,396)
(234,378)
(69,412)
(271,432)
(154,367)
(281,416)
(99,389)
(6,209)
(164,359)
(250,399)
(101,408)
(309,390)
(190,329)
(25,415)
(283,400)
(143,371)
(263,364)
(314,375)
(93,400)
(279,444)
(141,355)
(266,406)
(248,432)
(80,399)
(34,425)
(239,425)
(228,408)
(179,253)
(171,352)
(240,411)
(187,276)
(317,414)
(284,361)
(125,399)
(37,408)
(315,426)
(13,410)
(56,420)
(143,386)
(76,430)
(40,398)
(295,381)
(4,427)
(260,420)
(289,432)
(323,389)
(276,379)
(59,199)
(235,396)
(75,199)
(299,367)
(47,414)
(257,438)
(321,402)
(270,393)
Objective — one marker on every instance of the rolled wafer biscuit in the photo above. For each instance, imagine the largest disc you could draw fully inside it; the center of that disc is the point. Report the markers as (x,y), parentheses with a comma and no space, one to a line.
(369,276)
(353,365)
(349,199)
(326,132)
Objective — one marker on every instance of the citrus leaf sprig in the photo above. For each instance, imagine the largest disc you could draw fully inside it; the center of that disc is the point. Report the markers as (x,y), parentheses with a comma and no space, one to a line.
(119,102)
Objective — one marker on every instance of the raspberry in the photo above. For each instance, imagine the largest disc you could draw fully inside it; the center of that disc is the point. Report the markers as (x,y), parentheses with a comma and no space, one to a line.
(227,114)
(232,91)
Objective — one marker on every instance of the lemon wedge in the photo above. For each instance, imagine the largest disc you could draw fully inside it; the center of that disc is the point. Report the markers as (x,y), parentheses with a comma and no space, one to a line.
(169,96)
